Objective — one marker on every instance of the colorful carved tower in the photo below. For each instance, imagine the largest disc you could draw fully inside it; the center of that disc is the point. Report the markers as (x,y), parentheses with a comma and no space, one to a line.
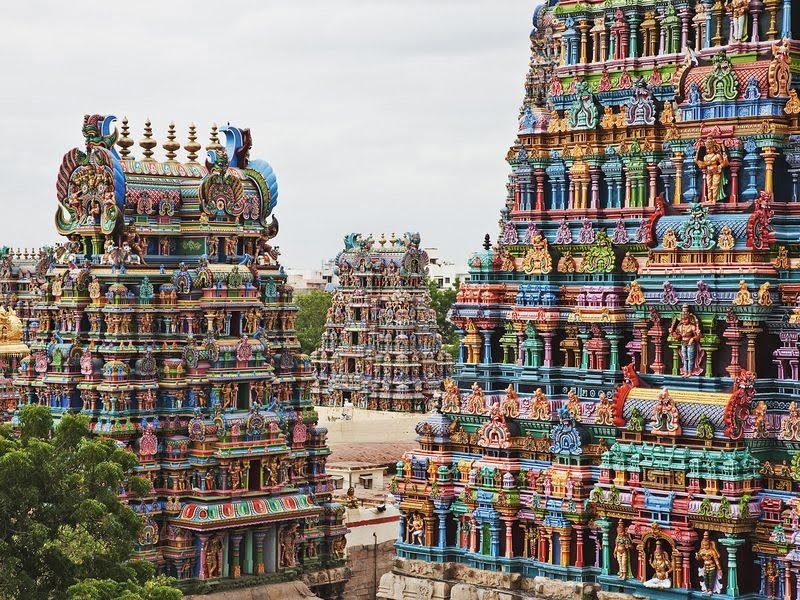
(624,405)
(166,319)
(381,349)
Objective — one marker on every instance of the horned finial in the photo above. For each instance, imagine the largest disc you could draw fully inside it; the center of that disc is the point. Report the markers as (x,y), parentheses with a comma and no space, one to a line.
(192,147)
(147,142)
(171,146)
(125,142)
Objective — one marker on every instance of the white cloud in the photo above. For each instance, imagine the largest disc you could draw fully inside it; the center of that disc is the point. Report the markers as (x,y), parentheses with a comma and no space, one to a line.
(377,115)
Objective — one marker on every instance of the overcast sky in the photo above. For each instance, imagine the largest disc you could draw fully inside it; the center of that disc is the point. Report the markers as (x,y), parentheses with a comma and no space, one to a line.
(377,115)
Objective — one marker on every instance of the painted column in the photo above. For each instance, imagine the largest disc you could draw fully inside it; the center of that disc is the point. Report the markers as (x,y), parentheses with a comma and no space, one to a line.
(732,543)
(633,43)
(604,526)
(401,529)
(547,336)
(769,155)
(460,333)
(652,171)
(786,32)
(258,536)
(494,547)
(203,537)
(566,536)
(579,547)
(473,537)
(248,552)
(236,538)
(539,174)
(487,346)
(613,339)
(226,563)
(509,539)
(442,515)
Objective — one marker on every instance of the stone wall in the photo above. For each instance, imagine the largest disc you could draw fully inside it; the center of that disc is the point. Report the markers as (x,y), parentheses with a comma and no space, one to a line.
(361,560)
(451,581)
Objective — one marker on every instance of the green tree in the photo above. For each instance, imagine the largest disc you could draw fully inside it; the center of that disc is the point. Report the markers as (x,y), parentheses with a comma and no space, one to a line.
(441,301)
(61,521)
(311,316)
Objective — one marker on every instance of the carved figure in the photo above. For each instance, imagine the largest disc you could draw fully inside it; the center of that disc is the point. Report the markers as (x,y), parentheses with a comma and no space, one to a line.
(743,296)
(537,259)
(713,165)
(686,329)
(710,572)
(665,414)
(622,550)
(635,294)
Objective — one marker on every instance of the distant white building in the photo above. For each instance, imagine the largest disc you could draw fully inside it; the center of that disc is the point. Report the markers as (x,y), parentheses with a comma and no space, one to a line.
(303,280)
(444,272)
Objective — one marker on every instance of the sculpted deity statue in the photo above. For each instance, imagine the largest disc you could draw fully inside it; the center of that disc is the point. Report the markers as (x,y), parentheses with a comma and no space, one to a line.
(713,165)
(635,294)
(710,572)
(622,550)
(604,411)
(687,331)
(510,403)
(573,405)
(738,13)
(416,530)
(662,567)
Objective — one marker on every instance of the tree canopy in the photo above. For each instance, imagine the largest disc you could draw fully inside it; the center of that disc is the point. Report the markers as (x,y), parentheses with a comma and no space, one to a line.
(312,310)
(63,530)
(441,301)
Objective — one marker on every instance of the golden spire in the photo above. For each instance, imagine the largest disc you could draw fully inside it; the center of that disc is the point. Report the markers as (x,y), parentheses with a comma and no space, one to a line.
(213,141)
(125,142)
(192,147)
(147,142)
(171,146)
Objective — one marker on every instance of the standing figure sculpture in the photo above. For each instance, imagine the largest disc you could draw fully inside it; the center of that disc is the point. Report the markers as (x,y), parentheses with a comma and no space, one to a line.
(687,331)
(622,550)
(713,165)
(710,572)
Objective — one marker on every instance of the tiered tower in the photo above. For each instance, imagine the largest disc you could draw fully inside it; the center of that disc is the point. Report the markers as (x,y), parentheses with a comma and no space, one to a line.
(624,407)
(381,349)
(166,319)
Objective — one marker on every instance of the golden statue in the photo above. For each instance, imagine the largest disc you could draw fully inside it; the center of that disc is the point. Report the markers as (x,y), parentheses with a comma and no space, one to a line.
(635,294)
(743,296)
(662,567)
(764,297)
(670,240)
(537,259)
(726,240)
(629,263)
(713,164)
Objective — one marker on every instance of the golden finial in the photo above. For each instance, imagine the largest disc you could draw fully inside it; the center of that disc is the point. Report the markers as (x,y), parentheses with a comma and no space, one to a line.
(193,146)
(393,239)
(147,142)
(125,142)
(382,241)
(171,146)
(213,143)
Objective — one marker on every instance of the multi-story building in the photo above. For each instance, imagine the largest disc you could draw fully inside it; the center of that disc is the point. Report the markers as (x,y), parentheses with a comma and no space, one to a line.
(165,318)
(624,409)
(381,348)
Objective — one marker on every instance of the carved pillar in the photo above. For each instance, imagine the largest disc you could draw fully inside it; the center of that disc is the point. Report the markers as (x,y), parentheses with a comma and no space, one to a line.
(401,530)
(248,552)
(460,334)
(770,154)
(633,46)
(583,27)
(494,537)
(583,336)
(733,337)
(566,536)
(652,171)
(579,546)
(678,161)
(732,543)
(756,8)
(487,346)
(594,173)
(684,16)
(735,162)
(473,537)
(657,334)
(258,536)
(509,539)
(547,336)
(751,335)
(718,11)
(613,339)
(539,175)
(203,545)
(604,525)
(771,7)
(235,541)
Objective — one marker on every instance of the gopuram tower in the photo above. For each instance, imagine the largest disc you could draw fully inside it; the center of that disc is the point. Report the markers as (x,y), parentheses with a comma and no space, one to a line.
(166,319)
(381,349)
(624,407)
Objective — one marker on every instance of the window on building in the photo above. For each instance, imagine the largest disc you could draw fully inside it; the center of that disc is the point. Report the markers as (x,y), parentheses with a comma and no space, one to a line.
(338,482)
(365,481)
(447,281)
